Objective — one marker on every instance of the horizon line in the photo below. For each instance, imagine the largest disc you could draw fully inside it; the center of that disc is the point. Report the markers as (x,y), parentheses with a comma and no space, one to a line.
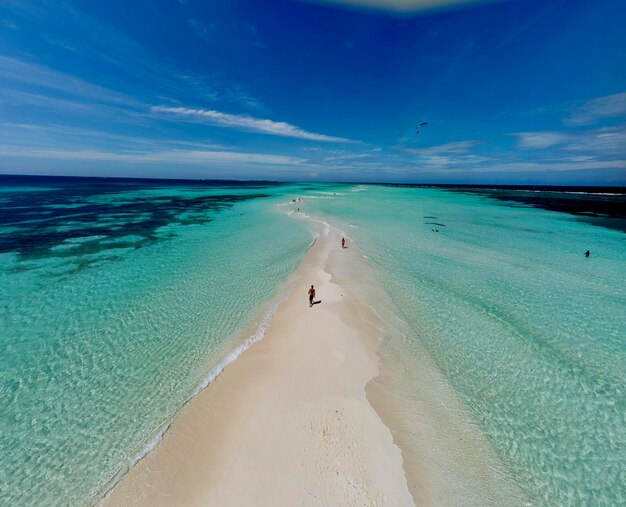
(283,182)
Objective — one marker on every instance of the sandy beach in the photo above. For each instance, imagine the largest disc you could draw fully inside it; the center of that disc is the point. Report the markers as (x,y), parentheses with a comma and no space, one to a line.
(288,423)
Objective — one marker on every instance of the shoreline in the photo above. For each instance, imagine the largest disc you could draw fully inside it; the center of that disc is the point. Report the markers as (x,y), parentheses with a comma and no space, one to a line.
(288,422)
(252,332)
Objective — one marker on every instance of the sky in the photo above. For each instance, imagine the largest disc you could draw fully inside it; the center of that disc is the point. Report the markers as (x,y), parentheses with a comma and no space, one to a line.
(518,92)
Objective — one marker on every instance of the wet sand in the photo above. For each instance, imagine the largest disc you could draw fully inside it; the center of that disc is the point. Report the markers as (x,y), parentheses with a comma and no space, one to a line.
(288,423)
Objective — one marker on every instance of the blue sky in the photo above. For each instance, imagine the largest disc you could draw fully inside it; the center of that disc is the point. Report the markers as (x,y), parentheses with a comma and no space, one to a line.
(528,91)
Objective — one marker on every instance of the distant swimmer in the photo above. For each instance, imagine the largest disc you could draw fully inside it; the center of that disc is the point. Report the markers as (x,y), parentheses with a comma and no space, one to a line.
(343,242)
(587,253)
(311,296)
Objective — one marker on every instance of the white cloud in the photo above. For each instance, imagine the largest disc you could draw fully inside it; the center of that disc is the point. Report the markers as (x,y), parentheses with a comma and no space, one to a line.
(610,141)
(607,141)
(453,147)
(200,30)
(245,123)
(542,166)
(594,149)
(457,153)
(56,136)
(347,156)
(466,161)
(37,77)
(236,94)
(592,111)
(540,140)
(167,157)
(117,56)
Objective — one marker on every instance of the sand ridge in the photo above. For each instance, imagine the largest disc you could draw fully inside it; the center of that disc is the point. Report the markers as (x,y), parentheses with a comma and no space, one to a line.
(288,423)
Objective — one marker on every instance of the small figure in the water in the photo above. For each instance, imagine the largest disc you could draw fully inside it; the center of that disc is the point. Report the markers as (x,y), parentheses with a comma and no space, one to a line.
(587,253)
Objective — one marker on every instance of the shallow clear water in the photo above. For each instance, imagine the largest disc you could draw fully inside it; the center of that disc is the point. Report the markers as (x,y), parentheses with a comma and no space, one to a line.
(119,300)
(111,317)
(529,333)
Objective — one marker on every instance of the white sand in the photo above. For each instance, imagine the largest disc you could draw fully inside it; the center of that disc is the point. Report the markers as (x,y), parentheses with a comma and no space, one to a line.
(288,423)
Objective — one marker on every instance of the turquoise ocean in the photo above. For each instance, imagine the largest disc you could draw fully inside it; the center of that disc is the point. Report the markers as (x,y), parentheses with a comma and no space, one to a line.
(120,299)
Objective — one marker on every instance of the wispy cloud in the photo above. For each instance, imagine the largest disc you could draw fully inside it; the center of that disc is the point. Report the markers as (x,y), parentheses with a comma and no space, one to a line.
(550,151)
(543,166)
(237,94)
(164,157)
(127,63)
(22,74)
(606,141)
(58,136)
(454,154)
(243,122)
(540,140)
(448,148)
(348,156)
(200,30)
(592,111)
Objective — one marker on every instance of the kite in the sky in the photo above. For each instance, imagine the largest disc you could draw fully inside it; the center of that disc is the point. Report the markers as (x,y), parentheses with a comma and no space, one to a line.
(417,127)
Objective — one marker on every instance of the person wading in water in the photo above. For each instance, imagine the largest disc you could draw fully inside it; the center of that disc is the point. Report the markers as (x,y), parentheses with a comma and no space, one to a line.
(311,296)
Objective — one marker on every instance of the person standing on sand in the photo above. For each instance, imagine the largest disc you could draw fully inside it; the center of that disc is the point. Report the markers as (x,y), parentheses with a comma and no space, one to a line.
(343,242)
(311,296)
